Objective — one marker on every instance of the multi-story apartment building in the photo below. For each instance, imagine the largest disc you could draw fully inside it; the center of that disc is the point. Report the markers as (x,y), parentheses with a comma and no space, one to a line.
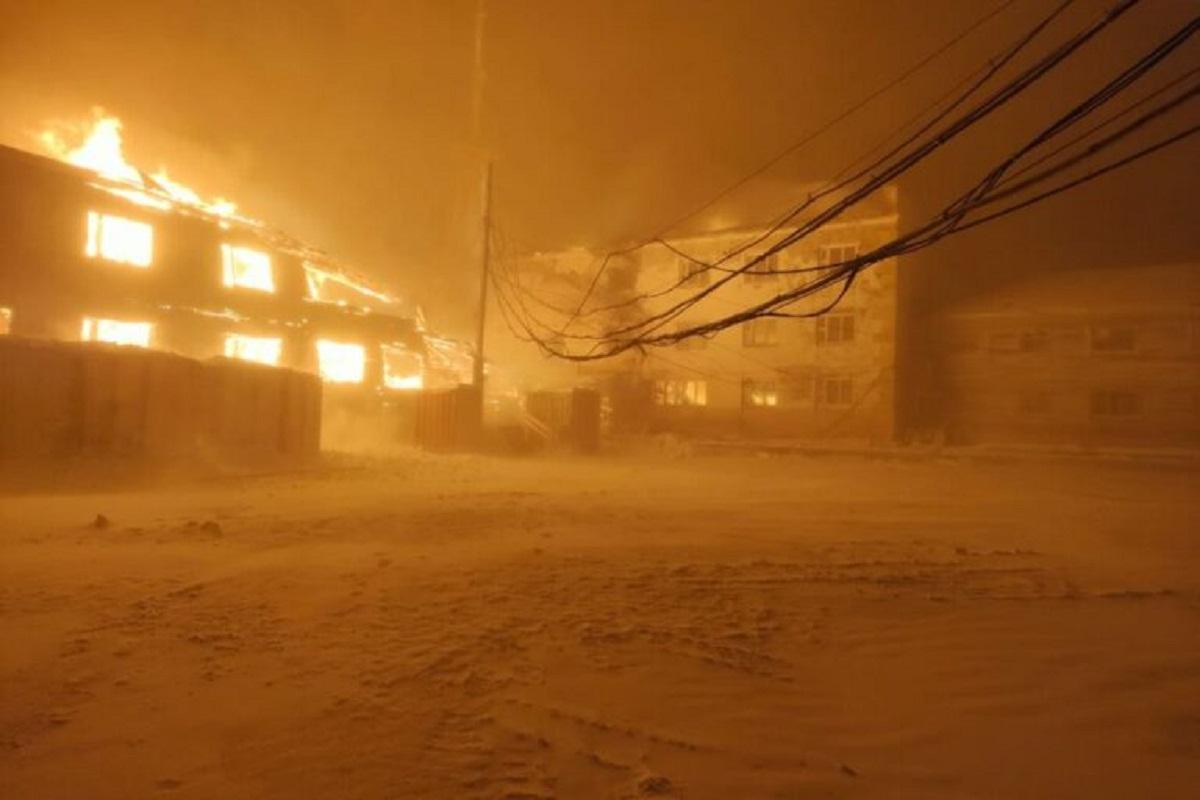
(86,257)
(1099,357)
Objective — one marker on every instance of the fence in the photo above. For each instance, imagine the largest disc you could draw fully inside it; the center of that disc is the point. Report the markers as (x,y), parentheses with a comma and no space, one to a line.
(64,399)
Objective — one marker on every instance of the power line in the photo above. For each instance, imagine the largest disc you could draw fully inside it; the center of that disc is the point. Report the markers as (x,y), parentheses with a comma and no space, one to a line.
(955,217)
(795,146)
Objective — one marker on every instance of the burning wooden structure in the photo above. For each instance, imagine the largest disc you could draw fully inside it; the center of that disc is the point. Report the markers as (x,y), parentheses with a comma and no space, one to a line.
(113,255)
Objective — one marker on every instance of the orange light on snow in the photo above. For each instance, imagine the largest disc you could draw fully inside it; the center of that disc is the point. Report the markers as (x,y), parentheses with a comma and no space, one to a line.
(247,268)
(259,349)
(341,362)
(114,238)
(115,331)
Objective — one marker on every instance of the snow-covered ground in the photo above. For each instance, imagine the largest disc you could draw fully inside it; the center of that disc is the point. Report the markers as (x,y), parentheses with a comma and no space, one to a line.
(719,627)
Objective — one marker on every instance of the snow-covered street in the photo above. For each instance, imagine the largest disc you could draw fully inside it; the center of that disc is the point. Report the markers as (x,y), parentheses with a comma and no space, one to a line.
(711,627)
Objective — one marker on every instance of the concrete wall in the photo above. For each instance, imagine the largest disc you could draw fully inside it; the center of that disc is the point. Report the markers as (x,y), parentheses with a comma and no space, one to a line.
(60,399)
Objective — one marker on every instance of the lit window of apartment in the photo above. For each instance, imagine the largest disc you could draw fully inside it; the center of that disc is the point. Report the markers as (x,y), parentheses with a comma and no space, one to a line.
(124,241)
(402,368)
(760,393)
(6,315)
(1113,338)
(259,349)
(681,392)
(764,271)
(762,332)
(246,268)
(341,362)
(836,392)
(1110,403)
(115,331)
(835,328)
(692,273)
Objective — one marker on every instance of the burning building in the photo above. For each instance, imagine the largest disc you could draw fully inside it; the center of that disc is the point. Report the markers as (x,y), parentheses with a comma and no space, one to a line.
(98,251)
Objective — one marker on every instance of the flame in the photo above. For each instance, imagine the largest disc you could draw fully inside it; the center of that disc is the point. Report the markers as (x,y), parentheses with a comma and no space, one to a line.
(260,349)
(116,331)
(341,362)
(101,150)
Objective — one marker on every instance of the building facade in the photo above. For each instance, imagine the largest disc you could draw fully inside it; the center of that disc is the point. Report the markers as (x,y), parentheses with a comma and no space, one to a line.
(87,258)
(828,377)
(1101,357)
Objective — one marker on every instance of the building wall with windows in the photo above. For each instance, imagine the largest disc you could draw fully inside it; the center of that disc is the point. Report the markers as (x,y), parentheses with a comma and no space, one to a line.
(85,259)
(829,376)
(1085,357)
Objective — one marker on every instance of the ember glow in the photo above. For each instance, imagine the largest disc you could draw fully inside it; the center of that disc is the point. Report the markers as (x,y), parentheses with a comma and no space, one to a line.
(247,268)
(113,331)
(341,362)
(114,238)
(259,349)
(402,368)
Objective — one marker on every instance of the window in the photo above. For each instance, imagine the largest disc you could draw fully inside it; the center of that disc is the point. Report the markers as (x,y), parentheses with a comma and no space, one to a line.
(124,241)
(5,321)
(764,271)
(800,387)
(1109,403)
(691,273)
(259,349)
(1113,338)
(247,268)
(763,332)
(833,254)
(116,331)
(341,362)
(836,392)
(760,394)
(678,392)
(835,328)
(402,368)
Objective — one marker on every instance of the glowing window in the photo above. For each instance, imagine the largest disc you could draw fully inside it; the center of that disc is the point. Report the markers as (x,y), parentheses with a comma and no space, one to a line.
(116,331)
(125,241)
(247,268)
(673,392)
(402,368)
(5,320)
(340,362)
(761,394)
(260,349)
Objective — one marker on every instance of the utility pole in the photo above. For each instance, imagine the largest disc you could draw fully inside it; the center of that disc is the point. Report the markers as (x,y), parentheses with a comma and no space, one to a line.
(478,78)
(484,255)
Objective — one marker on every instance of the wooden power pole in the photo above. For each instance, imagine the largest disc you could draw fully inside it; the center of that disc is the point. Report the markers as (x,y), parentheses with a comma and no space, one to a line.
(484,277)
